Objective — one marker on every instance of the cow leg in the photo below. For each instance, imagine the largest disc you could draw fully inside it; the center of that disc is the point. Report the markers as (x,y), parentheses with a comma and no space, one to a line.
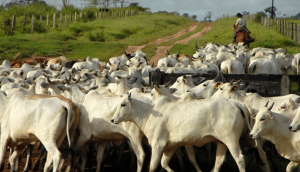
(208,147)
(132,156)
(235,151)
(220,156)
(192,156)
(291,166)
(100,151)
(14,166)
(29,150)
(156,154)
(70,156)
(166,157)
(53,154)
(179,155)
(3,148)
(61,163)
(264,158)
(83,157)
(136,144)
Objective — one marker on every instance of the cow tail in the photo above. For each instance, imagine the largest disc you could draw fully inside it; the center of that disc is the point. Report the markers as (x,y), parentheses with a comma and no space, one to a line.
(69,113)
(251,68)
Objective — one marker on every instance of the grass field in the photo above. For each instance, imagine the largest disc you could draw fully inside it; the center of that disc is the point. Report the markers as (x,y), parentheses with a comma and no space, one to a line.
(101,39)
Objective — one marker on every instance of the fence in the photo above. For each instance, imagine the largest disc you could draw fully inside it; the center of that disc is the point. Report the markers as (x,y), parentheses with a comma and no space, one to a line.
(61,20)
(264,84)
(286,28)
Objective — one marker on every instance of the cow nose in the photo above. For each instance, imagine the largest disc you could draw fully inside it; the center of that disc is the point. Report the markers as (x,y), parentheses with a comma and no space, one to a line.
(251,135)
(290,127)
(112,120)
(188,91)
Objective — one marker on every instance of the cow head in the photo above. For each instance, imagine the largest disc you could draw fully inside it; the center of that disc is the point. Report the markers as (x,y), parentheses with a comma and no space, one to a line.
(263,122)
(124,109)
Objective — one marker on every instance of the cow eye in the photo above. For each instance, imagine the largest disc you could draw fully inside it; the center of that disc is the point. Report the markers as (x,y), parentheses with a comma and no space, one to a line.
(151,94)
(204,85)
(177,80)
(122,105)
(283,107)
(262,119)
(221,88)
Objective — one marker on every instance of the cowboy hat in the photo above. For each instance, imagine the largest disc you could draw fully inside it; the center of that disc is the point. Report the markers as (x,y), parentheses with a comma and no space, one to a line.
(239,15)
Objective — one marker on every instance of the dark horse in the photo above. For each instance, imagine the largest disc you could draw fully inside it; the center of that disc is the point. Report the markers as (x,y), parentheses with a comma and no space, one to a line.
(243,36)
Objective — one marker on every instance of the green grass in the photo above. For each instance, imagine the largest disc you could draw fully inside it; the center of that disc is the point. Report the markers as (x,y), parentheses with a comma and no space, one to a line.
(222,31)
(102,39)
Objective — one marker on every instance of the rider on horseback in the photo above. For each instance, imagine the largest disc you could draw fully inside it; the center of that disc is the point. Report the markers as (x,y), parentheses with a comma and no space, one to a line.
(240,24)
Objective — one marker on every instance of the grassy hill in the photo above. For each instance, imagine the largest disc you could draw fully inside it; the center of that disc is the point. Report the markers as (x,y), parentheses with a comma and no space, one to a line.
(99,38)
(222,30)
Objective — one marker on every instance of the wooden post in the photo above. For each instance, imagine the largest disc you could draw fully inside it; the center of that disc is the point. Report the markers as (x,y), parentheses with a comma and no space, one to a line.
(32,23)
(66,17)
(81,14)
(4,19)
(54,17)
(155,77)
(295,32)
(75,16)
(99,15)
(292,30)
(285,85)
(47,24)
(299,34)
(13,23)
(24,21)
(41,20)
(60,18)
(96,15)
(71,18)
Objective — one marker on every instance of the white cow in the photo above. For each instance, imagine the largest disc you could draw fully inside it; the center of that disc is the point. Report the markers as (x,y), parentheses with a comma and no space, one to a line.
(296,63)
(274,127)
(95,126)
(37,121)
(232,66)
(224,125)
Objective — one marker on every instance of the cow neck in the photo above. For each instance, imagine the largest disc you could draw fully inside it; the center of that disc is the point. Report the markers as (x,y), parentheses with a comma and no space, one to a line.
(122,88)
(77,96)
(280,135)
(141,111)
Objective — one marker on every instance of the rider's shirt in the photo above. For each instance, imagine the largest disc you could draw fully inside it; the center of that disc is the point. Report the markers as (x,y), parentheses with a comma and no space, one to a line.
(241,22)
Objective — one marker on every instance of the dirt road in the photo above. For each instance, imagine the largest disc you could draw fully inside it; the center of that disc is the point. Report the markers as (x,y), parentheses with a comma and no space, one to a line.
(161,50)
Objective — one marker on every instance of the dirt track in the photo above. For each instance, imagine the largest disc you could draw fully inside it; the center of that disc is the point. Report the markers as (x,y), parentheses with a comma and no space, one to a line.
(161,51)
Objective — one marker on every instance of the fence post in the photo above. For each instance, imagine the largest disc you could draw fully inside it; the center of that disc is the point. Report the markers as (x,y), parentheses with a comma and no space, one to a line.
(66,17)
(75,16)
(155,77)
(54,18)
(299,34)
(71,18)
(292,30)
(295,32)
(41,20)
(32,23)
(47,24)
(96,15)
(13,22)
(285,85)
(60,18)
(24,21)
(81,14)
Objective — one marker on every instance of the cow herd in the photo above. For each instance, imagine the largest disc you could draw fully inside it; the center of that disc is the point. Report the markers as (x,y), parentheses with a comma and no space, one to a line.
(76,106)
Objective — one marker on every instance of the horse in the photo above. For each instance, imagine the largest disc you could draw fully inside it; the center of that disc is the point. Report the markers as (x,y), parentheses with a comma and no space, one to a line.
(243,36)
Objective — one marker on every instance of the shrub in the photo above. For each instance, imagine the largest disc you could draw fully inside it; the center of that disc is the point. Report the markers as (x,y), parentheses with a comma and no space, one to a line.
(97,36)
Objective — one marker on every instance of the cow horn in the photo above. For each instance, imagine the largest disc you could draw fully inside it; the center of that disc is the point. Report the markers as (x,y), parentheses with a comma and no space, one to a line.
(129,95)
(270,108)
(152,65)
(157,85)
(285,51)
(51,67)
(109,63)
(77,79)
(197,47)
(177,55)
(17,56)
(167,84)
(237,82)
(49,81)
(168,52)
(267,104)
(230,83)
(184,76)
(67,81)
(34,59)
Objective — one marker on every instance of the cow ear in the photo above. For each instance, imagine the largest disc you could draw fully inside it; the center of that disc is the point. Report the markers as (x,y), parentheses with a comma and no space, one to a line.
(143,90)
(234,88)
(172,90)
(218,84)
(270,115)
(254,116)
(156,88)
(184,81)
(291,102)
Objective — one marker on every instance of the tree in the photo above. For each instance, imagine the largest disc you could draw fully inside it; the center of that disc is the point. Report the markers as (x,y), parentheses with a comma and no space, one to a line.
(271,11)
(91,3)
(123,2)
(65,3)
(258,16)
(245,13)
(208,15)
(185,15)
(194,17)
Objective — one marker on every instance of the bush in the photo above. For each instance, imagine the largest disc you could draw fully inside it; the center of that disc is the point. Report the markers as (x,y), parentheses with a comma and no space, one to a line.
(97,36)
(258,17)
